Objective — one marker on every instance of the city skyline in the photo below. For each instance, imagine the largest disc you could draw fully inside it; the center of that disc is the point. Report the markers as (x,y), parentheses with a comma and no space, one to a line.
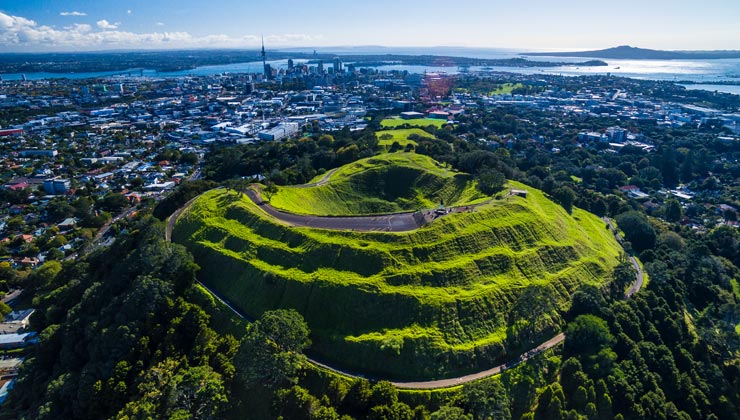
(42,25)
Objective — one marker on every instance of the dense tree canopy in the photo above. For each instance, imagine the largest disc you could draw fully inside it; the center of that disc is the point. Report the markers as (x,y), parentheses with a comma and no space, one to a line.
(637,230)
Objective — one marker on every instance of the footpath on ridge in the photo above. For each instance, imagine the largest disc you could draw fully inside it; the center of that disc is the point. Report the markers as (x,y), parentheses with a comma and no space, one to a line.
(390,222)
(398,222)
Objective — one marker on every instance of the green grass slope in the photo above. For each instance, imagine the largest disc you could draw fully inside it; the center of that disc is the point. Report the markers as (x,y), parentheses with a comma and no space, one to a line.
(386,138)
(381,184)
(414,122)
(459,295)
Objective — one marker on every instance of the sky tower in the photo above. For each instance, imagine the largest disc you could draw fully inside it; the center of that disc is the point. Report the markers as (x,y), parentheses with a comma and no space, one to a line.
(265,66)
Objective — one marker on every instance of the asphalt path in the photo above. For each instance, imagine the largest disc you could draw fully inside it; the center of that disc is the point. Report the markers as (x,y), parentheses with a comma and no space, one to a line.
(321,182)
(173,218)
(397,222)
(391,222)
(639,274)
(385,222)
(12,295)
(97,241)
(446,383)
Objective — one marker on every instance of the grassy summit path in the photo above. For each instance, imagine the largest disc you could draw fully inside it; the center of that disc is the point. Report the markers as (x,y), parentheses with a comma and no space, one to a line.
(388,183)
(392,222)
(400,222)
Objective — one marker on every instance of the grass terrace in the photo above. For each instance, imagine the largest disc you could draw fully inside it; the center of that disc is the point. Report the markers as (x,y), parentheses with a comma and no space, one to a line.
(462,294)
(416,122)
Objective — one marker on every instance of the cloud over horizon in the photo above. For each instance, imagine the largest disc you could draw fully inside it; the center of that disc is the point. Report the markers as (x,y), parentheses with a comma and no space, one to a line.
(104,24)
(74,13)
(21,34)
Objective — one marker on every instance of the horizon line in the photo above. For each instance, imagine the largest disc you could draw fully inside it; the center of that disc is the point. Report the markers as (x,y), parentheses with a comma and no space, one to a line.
(317,48)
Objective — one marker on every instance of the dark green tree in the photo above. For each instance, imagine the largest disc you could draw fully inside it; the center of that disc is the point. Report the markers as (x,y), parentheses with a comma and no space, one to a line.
(114,202)
(490,181)
(486,400)
(565,197)
(270,190)
(587,334)
(673,211)
(637,230)
(271,351)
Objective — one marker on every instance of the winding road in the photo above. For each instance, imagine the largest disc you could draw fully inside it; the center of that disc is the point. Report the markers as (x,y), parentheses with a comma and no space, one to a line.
(396,222)
(386,222)
(321,182)
(639,274)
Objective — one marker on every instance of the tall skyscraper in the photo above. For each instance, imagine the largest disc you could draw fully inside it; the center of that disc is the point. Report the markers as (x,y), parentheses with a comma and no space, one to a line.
(265,66)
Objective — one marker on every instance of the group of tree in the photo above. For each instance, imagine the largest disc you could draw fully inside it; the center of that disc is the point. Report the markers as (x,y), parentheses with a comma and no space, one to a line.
(290,161)
(670,352)
(123,334)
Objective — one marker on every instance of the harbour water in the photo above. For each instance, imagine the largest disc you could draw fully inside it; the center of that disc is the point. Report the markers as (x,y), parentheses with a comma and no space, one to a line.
(734,89)
(701,74)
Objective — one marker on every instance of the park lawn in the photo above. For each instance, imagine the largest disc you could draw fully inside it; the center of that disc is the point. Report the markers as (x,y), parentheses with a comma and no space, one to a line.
(506,89)
(400,135)
(416,122)
(446,299)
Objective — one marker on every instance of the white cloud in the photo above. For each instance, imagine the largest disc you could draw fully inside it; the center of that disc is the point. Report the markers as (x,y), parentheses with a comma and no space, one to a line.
(20,34)
(160,24)
(104,24)
(129,11)
(79,28)
(291,38)
(72,14)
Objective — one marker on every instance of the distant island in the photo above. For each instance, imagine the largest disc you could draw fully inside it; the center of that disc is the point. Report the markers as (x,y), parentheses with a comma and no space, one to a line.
(168,61)
(374,60)
(633,53)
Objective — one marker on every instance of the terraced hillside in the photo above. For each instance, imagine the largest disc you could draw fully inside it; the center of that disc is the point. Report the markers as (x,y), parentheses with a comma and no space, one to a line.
(387,183)
(460,294)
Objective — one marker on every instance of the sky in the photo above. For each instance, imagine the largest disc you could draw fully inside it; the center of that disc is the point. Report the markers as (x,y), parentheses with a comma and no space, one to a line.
(85,25)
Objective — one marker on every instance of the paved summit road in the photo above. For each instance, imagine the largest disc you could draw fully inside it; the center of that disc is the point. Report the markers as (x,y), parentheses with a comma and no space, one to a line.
(323,181)
(397,222)
(446,383)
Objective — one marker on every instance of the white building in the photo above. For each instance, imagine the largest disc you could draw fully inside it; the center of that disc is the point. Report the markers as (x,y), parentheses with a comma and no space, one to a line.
(279,132)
